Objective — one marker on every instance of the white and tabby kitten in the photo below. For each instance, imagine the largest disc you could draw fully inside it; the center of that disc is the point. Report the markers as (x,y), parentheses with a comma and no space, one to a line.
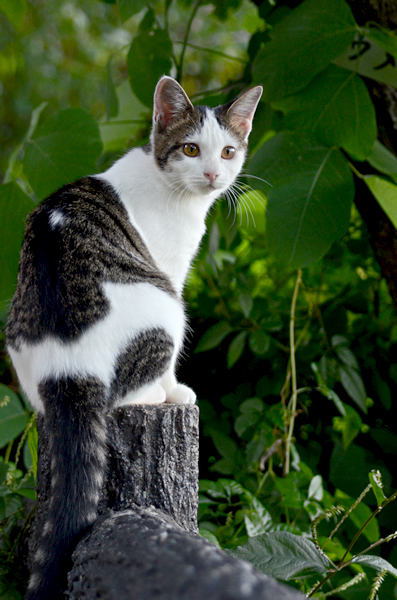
(97,319)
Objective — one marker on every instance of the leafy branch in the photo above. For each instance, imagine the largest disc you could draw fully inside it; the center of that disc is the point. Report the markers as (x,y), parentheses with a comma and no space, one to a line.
(369,560)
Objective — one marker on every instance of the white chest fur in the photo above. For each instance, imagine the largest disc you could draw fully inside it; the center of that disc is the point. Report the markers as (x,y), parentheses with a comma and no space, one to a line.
(170,221)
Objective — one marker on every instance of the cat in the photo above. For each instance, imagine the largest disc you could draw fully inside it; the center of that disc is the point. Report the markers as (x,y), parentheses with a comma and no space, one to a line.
(97,320)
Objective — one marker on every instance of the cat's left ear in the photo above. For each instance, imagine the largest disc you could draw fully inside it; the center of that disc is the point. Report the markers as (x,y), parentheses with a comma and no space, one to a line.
(170,101)
(242,110)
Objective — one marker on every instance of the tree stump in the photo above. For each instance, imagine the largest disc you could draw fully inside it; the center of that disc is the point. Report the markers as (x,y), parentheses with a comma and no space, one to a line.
(144,541)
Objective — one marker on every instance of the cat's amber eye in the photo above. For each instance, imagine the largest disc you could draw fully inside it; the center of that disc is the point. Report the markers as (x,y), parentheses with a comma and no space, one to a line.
(191,149)
(228,152)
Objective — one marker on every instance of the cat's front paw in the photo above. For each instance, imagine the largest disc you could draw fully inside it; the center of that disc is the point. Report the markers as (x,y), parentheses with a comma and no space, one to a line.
(181,394)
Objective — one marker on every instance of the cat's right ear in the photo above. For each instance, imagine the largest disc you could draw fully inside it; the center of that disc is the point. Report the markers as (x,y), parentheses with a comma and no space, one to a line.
(170,101)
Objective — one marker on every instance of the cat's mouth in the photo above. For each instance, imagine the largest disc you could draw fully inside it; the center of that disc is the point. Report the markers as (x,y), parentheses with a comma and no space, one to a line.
(208,187)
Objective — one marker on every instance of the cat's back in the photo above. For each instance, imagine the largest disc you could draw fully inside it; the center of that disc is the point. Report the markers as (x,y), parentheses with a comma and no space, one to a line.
(75,241)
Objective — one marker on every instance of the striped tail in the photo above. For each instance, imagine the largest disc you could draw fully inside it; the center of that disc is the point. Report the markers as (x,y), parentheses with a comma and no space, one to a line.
(75,409)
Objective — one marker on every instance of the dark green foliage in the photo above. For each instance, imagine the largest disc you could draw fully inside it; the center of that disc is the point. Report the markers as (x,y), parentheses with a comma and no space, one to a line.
(294,350)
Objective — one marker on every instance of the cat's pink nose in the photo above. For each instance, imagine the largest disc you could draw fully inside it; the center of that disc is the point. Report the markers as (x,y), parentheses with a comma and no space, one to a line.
(211,176)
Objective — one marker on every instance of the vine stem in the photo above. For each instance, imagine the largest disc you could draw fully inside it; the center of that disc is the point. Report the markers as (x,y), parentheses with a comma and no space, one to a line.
(293,373)
(185,41)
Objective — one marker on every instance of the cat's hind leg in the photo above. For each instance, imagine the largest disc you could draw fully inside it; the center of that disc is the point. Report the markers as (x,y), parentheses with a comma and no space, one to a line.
(140,367)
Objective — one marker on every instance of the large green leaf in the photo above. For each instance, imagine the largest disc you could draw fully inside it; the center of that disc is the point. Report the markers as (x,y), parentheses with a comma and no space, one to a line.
(386,194)
(14,206)
(127,8)
(385,38)
(283,555)
(149,58)
(302,45)
(63,148)
(310,198)
(13,418)
(337,109)
(371,56)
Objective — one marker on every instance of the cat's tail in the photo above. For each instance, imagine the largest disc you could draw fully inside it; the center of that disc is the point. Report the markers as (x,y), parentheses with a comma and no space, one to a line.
(75,416)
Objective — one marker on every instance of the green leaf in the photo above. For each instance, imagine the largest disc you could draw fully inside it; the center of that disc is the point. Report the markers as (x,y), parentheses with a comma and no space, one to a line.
(4,467)
(213,336)
(63,148)
(257,523)
(27,488)
(15,11)
(350,425)
(383,160)
(386,194)
(345,355)
(236,348)
(149,57)
(289,487)
(214,488)
(375,479)
(244,421)
(33,447)
(208,535)
(223,488)
(13,171)
(309,203)
(14,206)
(224,444)
(384,38)
(13,418)
(367,56)
(246,303)
(325,391)
(375,562)
(337,109)
(252,405)
(349,372)
(232,488)
(302,45)
(128,8)
(316,490)
(259,342)
(354,386)
(283,555)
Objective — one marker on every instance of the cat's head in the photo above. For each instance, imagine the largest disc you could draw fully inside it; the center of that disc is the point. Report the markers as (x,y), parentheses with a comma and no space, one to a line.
(200,150)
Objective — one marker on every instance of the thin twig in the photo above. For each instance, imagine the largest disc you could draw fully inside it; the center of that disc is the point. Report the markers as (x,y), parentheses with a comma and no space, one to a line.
(343,519)
(359,532)
(216,52)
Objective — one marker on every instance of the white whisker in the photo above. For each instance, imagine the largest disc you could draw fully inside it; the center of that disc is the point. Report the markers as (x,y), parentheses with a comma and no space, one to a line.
(256,177)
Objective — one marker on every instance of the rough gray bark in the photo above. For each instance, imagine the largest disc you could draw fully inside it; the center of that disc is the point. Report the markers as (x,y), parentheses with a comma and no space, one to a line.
(153,461)
(142,554)
(143,544)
